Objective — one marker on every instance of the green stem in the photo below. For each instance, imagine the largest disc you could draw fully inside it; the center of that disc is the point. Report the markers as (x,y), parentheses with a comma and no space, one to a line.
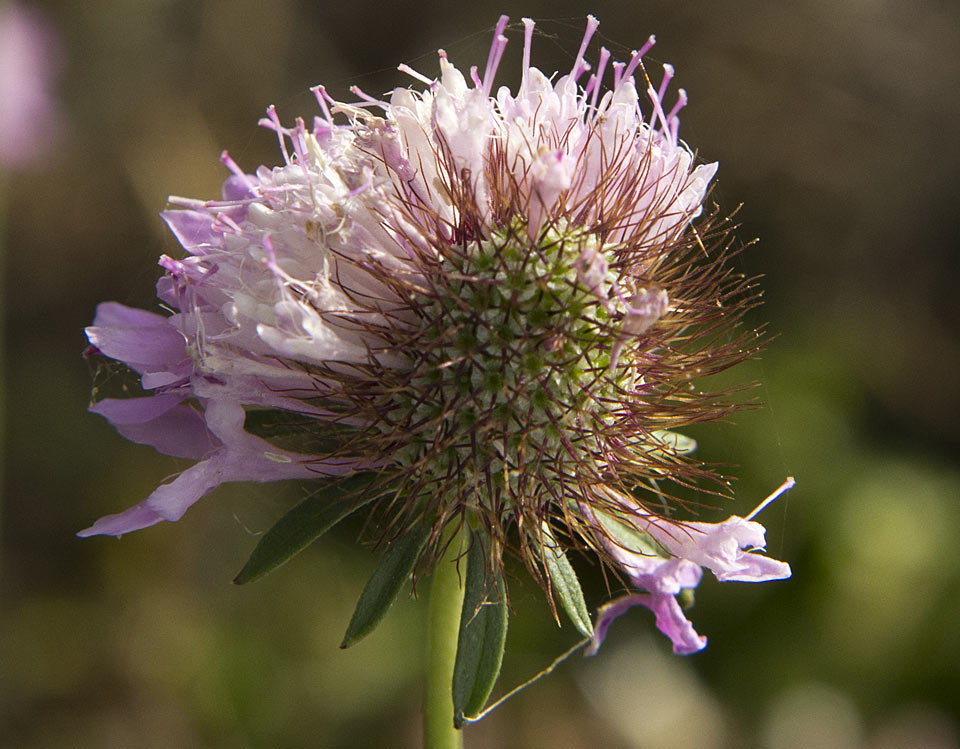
(443,629)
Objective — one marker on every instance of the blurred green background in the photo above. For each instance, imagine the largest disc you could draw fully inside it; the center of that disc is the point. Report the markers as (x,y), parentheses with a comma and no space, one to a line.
(834,123)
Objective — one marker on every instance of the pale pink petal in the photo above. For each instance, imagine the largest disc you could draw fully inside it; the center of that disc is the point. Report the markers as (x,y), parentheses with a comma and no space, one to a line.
(180,432)
(240,457)
(672,622)
(606,615)
(729,549)
(193,229)
(140,347)
(136,518)
(670,619)
(144,341)
(136,410)
(113,314)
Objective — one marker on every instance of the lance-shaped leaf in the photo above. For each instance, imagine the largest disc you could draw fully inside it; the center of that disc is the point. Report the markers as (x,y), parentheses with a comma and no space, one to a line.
(395,567)
(483,635)
(306,522)
(565,583)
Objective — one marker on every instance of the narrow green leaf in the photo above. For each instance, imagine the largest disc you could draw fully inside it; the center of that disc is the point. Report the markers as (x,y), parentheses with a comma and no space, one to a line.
(565,583)
(381,589)
(306,522)
(483,636)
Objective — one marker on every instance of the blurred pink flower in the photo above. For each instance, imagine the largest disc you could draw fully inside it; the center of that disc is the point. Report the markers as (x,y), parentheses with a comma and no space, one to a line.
(29,62)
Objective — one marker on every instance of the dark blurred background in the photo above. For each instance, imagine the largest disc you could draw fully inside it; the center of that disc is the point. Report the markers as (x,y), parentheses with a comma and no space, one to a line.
(835,124)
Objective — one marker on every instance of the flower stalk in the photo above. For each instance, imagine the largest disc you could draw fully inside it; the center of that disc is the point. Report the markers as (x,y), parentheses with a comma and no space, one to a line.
(443,629)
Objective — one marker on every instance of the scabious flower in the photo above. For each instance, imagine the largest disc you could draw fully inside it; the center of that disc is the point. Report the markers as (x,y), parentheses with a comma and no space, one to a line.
(493,303)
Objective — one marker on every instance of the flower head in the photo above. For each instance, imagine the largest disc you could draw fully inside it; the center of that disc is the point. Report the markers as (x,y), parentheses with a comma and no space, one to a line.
(492,302)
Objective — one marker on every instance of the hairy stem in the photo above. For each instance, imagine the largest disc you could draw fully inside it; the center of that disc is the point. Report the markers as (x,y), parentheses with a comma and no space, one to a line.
(443,627)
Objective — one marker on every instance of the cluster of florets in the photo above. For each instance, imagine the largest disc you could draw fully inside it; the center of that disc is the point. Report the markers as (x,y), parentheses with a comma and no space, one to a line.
(494,303)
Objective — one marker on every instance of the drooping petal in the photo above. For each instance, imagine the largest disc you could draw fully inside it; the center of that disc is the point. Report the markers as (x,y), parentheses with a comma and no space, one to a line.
(729,549)
(136,410)
(674,624)
(180,432)
(240,457)
(161,422)
(670,619)
(136,518)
